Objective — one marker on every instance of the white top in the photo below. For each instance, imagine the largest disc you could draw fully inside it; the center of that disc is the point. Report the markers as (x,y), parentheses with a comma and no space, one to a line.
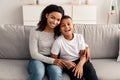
(69,49)
(40,43)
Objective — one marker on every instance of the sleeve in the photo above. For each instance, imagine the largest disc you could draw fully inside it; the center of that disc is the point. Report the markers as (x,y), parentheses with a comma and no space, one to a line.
(86,45)
(82,42)
(33,45)
(56,47)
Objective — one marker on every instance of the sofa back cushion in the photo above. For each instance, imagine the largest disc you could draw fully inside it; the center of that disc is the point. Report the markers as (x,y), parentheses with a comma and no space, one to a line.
(102,39)
(14,41)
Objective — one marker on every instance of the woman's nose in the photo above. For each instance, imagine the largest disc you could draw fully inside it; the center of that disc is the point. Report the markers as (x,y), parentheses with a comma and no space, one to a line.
(55,21)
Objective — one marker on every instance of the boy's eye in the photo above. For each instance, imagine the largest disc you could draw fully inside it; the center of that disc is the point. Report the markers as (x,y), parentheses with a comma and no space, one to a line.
(58,19)
(62,25)
(68,24)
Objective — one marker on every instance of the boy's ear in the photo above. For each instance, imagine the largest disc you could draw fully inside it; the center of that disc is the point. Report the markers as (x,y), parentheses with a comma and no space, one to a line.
(60,30)
(74,26)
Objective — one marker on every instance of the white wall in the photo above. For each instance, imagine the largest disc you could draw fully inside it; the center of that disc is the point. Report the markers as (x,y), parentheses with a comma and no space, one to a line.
(11,10)
(119,9)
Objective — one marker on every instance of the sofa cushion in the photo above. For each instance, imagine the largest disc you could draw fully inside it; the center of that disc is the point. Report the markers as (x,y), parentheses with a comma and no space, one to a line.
(14,41)
(13,69)
(102,39)
(17,70)
(107,69)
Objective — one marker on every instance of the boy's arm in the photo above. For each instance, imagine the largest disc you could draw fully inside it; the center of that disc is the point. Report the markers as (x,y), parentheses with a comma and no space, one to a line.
(83,57)
(87,51)
(78,70)
(54,54)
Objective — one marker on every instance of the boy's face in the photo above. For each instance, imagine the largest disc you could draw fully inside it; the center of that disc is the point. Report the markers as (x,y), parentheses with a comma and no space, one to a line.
(66,27)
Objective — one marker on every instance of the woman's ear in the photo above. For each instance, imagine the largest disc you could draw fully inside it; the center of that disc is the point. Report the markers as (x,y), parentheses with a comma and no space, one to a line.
(46,15)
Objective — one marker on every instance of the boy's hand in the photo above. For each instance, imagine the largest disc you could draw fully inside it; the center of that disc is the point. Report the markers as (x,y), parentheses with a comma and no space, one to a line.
(78,71)
(70,64)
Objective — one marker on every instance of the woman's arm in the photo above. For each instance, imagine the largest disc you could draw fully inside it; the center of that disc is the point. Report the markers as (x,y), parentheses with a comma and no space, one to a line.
(33,46)
(59,62)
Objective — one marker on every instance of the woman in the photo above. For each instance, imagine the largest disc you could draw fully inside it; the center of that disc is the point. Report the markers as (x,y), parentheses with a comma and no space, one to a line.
(40,42)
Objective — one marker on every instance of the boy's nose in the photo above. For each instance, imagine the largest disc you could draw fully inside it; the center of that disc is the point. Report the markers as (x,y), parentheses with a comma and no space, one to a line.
(66,26)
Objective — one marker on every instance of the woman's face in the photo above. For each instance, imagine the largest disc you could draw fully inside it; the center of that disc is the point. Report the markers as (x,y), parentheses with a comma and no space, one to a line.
(53,19)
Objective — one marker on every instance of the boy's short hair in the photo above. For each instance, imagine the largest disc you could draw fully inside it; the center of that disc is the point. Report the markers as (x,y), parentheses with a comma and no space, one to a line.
(65,17)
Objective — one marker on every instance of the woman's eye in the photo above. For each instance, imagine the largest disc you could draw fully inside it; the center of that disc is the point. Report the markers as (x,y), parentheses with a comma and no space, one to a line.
(52,17)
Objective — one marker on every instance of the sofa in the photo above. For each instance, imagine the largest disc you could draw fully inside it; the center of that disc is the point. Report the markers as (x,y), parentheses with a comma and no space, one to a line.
(102,39)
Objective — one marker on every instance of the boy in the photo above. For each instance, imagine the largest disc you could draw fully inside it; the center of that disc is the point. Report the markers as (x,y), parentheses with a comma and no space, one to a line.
(71,48)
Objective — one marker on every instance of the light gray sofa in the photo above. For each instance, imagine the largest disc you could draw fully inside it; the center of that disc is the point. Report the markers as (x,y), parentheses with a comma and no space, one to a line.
(102,39)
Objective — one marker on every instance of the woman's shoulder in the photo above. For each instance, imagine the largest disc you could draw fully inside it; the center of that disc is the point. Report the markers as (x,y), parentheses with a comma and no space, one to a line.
(34,30)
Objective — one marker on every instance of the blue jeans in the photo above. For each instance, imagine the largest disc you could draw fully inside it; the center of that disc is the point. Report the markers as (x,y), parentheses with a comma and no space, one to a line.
(37,70)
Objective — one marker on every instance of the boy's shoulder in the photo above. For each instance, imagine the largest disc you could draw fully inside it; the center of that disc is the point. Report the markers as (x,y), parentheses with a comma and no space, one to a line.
(59,38)
(78,34)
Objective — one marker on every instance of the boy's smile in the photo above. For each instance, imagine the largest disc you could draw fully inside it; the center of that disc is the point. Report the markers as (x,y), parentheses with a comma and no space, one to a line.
(66,28)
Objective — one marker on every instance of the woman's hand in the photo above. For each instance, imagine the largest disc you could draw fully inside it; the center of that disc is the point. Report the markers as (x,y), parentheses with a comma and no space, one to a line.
(59,62)
(70,64)
(78,71)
